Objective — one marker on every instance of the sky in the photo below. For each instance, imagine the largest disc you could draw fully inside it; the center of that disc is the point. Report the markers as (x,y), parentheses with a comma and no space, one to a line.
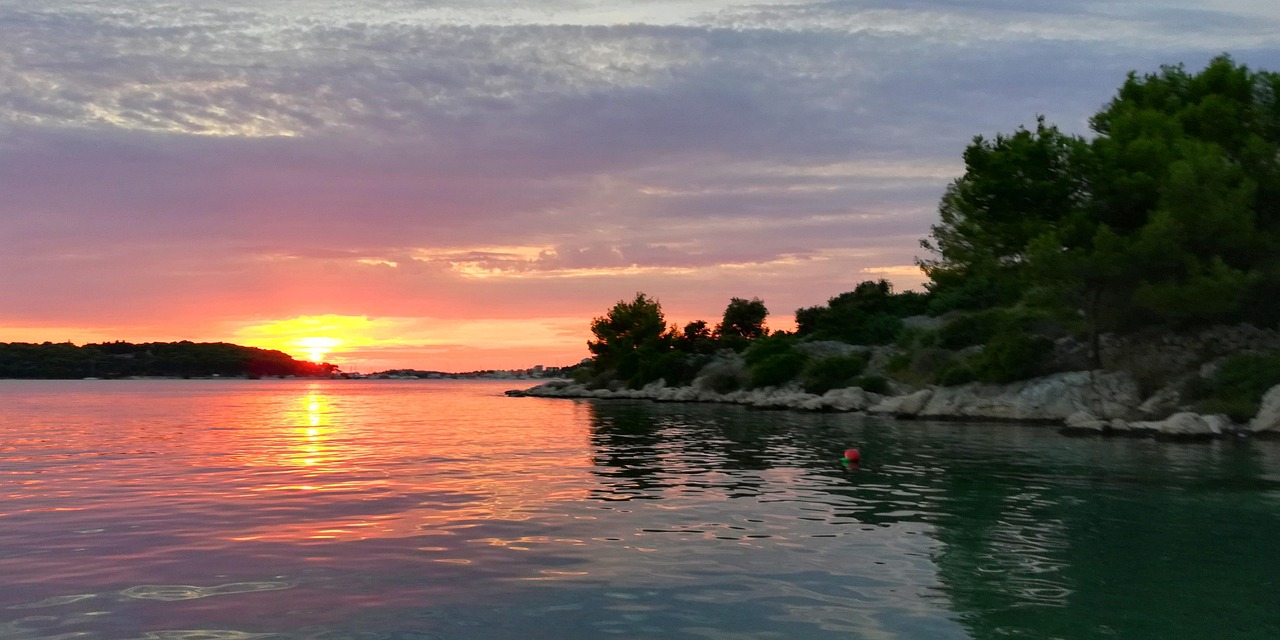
(463,184)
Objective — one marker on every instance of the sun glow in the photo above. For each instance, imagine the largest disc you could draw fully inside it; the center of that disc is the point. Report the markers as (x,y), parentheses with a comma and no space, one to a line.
(316,348)
(315,338)
(353,343)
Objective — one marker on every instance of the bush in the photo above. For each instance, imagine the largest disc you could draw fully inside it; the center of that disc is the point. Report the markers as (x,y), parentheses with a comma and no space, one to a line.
(1239,385)
(778,369)
(675,368)
(919,366)
(880,328)
(899,362)
(1012,356)
(835,372)
(722,375)
(873,384)
(956,373)
(765,348)
(984,326)
(967,330)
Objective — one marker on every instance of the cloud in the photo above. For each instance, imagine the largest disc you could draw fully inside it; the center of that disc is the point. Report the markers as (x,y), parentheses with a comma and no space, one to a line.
(186,165)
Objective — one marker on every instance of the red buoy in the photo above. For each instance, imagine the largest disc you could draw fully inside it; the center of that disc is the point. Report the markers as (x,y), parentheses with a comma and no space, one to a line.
(852,455)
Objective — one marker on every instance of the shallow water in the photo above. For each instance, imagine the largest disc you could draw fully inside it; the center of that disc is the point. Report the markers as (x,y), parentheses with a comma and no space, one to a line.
(230,509)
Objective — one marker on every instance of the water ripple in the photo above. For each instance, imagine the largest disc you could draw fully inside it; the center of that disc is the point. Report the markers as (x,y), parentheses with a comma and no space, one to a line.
(201,634)
(420,510)
(54,601)
(174,592)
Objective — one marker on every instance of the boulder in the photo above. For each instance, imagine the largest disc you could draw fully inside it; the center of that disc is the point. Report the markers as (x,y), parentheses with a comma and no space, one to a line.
(1102,394)
(1162,403)
(1184,424)
(1268,418)
(908,405)
(1085,421)
(1221,423)
(1094,401)
(850,399)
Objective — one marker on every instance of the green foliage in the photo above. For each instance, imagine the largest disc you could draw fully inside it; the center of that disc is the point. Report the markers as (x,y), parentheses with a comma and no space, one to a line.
(773,361)
(1015,188)
(899,362)
(836,372)
(1011,356)
(673,367)
(981,327)
(696,338)
(1169,216)
(768,347)
(583,375)
(954,373)
(629,336)
(743,322)
(969,329)
(1239,385)
(871,314)
(723,376)
(777,370)
(873,384)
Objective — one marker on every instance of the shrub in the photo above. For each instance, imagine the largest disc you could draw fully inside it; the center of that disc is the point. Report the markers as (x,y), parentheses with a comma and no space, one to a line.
(765,348)
(722,375)
(880,328)
(873,384)
(984,326)
(1239,385)
(835,372)
(673,367)
(778,369)
(1012,356)
(919,366)
(970,329)
(955,373)
(899,362)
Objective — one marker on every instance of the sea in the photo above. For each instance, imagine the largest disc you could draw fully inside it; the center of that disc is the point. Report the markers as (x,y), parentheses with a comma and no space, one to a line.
(442,509)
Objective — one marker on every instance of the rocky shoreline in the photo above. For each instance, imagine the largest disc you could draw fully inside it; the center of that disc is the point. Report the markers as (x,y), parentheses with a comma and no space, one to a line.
(1084,402)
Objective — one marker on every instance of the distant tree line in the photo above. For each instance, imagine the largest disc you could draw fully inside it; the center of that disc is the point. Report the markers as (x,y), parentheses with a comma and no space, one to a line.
(1166,219)
(184,359)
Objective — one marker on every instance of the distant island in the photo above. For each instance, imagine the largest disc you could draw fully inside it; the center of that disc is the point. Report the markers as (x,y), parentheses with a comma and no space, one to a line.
(64,360)
(1124,283)
(185,359)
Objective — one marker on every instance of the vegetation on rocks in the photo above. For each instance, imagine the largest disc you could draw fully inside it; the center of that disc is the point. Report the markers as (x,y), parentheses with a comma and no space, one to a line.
(1165,221)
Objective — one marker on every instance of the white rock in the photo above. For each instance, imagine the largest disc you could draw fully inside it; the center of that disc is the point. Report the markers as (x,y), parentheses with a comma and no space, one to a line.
(1185,423)
(1162,403)
(1220,423)
(1117,424)
(850,399)
(908,405)
(1055,398)
(1087,421)
(1268,418)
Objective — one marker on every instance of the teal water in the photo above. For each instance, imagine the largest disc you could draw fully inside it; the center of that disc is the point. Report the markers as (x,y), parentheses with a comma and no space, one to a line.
(230,509)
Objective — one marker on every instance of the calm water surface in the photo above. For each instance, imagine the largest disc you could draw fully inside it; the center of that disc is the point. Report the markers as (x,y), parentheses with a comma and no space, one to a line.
(226,510)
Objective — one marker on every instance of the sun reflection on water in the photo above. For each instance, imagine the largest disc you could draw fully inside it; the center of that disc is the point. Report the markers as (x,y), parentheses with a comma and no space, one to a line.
(397,473)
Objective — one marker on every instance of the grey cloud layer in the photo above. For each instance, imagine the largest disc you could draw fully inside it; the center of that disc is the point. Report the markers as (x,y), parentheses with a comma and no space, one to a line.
(702,134)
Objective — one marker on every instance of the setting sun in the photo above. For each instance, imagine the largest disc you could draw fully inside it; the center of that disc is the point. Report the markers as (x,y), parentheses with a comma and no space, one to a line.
(314,338)
(315,349)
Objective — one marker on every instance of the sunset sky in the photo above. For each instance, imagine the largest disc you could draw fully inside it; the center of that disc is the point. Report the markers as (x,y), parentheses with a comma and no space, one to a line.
(463,184)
